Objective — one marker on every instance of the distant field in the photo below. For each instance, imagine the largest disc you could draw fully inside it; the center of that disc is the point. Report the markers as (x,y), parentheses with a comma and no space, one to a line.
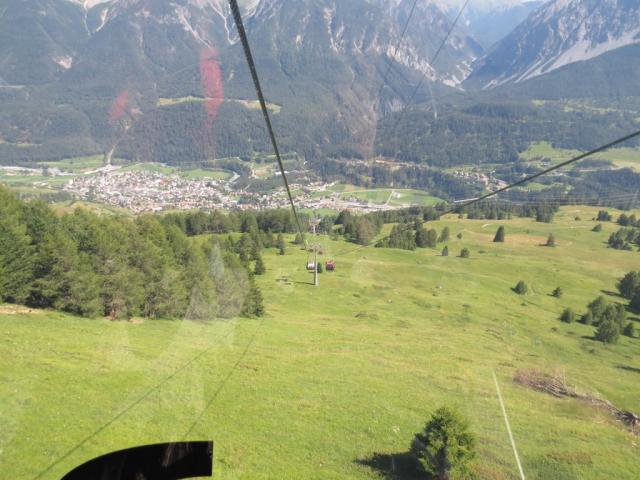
(336,375)
(394,197)
(250,104)
(622,157)
(625,157)
(77,164)
(545,149)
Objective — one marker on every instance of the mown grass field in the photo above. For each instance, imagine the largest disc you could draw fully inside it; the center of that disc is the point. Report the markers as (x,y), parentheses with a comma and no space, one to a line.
(337,374)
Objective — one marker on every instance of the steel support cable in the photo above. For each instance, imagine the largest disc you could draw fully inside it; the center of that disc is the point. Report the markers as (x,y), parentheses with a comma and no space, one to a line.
(265,113)
(521,182)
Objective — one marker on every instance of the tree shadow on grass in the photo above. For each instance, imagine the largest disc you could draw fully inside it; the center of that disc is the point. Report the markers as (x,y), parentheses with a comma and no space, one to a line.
(628,368)
(395,466)
(610,293)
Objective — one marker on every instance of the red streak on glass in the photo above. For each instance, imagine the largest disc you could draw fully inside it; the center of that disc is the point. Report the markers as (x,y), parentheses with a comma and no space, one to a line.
(211,79)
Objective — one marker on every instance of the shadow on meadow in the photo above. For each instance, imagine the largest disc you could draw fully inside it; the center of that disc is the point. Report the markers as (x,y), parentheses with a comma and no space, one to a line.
(628,368)
(396,466)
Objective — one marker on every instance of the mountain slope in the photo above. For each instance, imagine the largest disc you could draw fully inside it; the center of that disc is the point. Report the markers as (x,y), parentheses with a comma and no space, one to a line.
(323,61)
(560,33)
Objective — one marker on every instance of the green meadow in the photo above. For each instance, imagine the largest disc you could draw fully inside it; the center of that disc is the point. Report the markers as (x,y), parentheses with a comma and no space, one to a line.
(337,376)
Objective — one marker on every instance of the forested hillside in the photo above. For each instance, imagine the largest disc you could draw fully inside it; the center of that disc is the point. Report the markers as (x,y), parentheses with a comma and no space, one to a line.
(98,266)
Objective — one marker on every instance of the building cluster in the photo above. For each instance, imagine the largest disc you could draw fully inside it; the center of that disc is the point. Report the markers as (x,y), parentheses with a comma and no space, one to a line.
(150,191)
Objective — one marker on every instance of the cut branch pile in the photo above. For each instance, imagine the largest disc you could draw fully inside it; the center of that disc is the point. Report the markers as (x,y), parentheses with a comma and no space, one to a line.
(556,385)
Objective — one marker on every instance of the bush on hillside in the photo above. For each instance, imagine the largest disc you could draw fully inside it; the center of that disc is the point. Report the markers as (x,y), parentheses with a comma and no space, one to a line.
(446,446)
(521,288)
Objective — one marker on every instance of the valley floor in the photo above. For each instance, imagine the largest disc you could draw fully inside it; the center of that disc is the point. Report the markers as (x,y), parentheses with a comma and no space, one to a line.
(337,379)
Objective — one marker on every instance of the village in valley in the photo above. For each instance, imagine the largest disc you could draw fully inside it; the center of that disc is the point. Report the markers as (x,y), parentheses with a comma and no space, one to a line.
(155,187)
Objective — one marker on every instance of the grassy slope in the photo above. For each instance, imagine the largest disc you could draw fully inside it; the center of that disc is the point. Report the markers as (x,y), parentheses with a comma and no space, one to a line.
(339,373)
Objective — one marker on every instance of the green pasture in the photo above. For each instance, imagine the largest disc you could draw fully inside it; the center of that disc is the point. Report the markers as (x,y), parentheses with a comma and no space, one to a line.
(336,376)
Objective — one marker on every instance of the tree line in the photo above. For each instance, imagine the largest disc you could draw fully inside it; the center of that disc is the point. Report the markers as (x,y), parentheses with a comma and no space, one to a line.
(93,266)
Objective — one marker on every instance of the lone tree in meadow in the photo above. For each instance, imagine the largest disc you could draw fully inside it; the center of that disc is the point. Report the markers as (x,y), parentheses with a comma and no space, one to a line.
(521,288)
(280,244)
(445,446)
(445,251)
(464,253)
(557,292)
(551,241)
(597,228)
(444,235)
(499,235)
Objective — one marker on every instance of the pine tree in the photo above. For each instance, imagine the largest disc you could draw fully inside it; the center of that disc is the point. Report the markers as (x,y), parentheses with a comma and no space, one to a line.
(444,235)
(521,288)
(259,268)
(280,244)
(253,305)
(499,235)
(16,258)
(608,331)
(445,446)
(597,228)
(445,251)
(551,241)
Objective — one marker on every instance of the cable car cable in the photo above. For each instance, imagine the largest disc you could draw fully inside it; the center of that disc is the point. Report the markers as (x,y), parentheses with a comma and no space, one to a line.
(265,113)
(521,182)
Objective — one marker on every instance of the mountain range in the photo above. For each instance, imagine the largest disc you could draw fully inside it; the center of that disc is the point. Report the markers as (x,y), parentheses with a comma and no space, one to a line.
(130,77)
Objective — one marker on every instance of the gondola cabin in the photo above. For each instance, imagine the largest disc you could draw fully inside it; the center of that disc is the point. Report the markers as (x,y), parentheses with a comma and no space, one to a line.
(311,266)
(329,266)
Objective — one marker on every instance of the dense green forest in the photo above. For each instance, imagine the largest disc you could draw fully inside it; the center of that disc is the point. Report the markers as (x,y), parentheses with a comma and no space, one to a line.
(94,265)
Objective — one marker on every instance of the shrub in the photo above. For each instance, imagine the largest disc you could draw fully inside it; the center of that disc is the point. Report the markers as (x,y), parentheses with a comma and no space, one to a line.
(597,228)
(499,235)
(464,253)
(557,292)
(445,251)
(568,316)
(445,446)
(459,236)
(521,288)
